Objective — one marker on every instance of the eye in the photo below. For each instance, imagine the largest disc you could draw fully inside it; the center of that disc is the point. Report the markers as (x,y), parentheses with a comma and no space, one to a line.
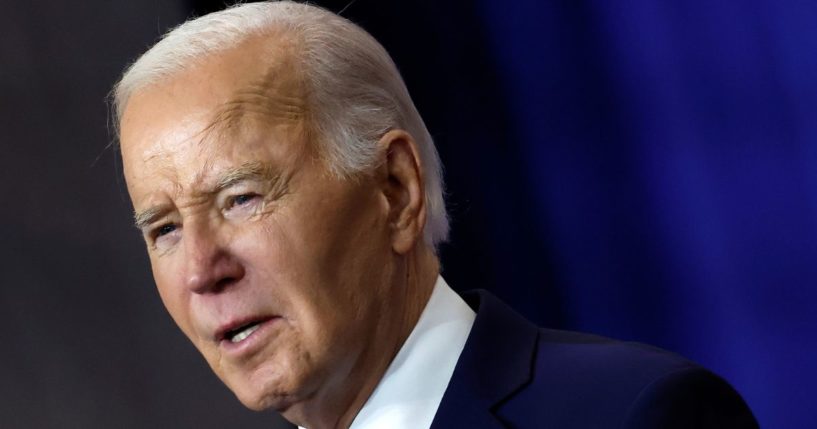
(241,200)
(164,230)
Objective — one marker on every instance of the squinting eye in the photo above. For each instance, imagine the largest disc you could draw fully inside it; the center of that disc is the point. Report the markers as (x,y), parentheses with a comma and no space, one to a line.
(165,229)
(240,200)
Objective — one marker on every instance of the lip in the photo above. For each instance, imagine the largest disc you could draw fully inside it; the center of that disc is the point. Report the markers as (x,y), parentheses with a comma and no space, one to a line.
(248,345)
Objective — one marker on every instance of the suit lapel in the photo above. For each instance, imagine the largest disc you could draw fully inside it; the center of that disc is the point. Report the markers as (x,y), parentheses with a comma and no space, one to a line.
(496,362)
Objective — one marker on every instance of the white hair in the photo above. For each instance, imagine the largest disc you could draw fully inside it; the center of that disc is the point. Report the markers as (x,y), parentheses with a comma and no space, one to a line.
(355,92)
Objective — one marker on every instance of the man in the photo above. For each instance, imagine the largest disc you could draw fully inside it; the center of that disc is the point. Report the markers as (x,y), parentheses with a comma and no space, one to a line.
(291,200)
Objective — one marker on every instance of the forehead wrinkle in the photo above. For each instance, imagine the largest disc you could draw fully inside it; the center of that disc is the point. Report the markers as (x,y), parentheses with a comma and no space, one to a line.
(198,185)
(142,218)
(164,168)
(274,95)
(166,165)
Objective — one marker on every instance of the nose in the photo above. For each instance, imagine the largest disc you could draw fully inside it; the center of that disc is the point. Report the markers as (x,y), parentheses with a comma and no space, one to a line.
(209,265)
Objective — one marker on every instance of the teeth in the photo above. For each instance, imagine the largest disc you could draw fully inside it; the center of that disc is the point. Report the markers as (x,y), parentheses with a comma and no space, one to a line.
(239,337)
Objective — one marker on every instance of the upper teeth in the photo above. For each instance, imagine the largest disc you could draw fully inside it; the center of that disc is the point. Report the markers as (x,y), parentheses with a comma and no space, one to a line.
(244,333)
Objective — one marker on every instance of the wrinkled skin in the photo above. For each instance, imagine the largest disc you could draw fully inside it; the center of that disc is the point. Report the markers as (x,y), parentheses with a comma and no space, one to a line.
(244,222)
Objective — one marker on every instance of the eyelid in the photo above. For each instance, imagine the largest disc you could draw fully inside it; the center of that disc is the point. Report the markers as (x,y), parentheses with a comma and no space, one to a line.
(231,201)
(152,230)
(164,242)
(157,231)
(244,187)
(251,195)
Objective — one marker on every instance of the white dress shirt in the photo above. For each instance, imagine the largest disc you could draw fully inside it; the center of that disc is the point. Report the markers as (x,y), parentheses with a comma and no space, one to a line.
(412,388)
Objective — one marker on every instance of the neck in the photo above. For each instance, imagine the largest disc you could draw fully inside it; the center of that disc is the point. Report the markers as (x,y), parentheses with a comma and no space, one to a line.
(403,302)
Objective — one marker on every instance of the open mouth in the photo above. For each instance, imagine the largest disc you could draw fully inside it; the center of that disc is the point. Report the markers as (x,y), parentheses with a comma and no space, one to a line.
(242,332)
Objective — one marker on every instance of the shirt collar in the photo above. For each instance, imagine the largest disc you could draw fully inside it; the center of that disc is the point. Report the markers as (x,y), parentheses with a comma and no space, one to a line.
(412,388)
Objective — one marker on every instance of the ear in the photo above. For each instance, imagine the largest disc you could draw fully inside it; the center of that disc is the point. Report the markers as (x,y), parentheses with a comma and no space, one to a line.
(404,189)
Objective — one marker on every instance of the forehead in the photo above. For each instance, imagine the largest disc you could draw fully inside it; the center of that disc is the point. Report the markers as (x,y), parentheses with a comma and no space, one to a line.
(241,95)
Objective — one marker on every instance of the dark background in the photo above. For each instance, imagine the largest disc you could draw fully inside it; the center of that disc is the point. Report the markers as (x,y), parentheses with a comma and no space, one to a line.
(642,170)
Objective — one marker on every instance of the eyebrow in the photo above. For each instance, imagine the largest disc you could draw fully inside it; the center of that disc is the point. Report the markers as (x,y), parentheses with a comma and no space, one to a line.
(252,171)
(146,217)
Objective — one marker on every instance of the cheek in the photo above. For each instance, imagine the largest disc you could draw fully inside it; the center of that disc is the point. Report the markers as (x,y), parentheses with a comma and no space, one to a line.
(262,243)
(281,266)
(291,262)
(171,291)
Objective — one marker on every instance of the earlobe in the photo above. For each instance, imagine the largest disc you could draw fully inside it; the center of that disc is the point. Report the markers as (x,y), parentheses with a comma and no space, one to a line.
(404,189)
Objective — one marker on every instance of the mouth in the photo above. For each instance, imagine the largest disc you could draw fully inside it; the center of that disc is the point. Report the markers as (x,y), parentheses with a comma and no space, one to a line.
(236,333)
(240,334)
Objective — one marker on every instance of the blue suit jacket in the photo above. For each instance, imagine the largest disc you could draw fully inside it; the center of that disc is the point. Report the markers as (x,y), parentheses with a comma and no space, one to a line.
(512,374)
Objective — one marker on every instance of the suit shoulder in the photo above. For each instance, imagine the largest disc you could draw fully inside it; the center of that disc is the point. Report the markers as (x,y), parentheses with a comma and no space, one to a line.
(592,381)
(605,358)
(689,398)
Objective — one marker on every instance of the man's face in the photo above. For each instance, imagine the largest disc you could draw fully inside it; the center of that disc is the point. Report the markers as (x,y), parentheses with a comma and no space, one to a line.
(274,269)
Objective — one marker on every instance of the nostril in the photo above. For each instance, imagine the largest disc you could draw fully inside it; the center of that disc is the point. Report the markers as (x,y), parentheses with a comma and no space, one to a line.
(224,283)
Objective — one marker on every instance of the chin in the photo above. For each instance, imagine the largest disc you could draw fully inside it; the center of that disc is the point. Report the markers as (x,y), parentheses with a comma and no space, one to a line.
(261,403)
(263,399)
(264,390)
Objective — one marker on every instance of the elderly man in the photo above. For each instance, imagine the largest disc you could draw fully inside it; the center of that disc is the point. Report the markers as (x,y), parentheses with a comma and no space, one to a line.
(291,200)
